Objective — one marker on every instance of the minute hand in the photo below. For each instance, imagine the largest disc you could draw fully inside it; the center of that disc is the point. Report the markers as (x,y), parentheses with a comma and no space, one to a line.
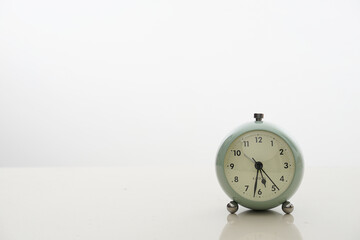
(255,187)
(270,179)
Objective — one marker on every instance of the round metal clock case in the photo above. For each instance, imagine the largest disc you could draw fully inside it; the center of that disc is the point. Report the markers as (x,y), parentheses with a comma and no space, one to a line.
(249,180)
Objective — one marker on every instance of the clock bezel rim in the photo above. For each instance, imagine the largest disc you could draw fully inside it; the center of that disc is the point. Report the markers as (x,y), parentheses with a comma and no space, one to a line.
(248,203)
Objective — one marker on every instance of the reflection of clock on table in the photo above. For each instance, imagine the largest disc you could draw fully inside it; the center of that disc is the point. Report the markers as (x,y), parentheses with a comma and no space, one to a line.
(260,225)
(259,167)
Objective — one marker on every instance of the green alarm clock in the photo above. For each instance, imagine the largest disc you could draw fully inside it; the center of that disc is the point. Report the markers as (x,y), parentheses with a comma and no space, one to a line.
(259,167)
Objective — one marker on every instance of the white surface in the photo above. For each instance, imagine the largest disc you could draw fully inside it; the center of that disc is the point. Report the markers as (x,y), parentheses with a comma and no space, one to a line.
(162,82)
(166,203)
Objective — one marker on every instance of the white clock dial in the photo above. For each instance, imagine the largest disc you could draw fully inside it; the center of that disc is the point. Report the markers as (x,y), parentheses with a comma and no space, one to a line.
(259,165)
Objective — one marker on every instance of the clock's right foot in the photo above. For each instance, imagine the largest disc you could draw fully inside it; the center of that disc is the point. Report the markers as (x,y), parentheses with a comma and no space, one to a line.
(287,207)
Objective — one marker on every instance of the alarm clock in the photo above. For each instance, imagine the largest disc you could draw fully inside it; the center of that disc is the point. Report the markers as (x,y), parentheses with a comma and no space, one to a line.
(259,167)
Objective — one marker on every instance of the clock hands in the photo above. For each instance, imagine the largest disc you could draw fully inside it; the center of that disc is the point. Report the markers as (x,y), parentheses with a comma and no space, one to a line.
(251,159)
(263,180)
(259,168)
(270,179)
(257,173)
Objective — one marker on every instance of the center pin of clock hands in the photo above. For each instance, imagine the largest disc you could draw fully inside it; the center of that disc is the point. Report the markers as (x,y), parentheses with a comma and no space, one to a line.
(258,166)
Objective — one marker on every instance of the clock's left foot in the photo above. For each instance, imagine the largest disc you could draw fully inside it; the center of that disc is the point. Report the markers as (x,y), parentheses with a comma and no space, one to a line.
(232,207)
(287,207)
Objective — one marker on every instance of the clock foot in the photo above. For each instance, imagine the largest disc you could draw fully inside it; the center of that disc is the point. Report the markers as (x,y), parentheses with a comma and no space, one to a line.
(287,207)
(232,207)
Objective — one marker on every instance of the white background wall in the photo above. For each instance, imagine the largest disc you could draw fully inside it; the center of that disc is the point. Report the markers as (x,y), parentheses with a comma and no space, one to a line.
(163,82)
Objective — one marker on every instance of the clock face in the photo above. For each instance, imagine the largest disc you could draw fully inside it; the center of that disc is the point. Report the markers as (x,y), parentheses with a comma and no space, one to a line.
(259,165)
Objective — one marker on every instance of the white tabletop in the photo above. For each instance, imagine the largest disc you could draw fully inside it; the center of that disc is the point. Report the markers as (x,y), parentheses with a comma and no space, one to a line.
(167,203)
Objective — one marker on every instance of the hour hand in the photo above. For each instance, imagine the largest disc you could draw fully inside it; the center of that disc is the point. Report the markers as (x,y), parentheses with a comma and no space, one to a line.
(263,180)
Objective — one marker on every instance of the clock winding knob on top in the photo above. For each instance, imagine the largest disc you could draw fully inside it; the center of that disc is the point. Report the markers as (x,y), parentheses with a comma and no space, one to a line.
(258,116)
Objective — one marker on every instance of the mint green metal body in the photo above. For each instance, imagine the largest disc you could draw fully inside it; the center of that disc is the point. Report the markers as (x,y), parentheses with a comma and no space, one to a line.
(256,205)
